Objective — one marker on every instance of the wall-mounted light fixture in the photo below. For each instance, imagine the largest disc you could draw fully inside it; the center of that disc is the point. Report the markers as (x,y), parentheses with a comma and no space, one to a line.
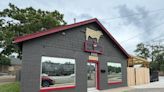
(63,33)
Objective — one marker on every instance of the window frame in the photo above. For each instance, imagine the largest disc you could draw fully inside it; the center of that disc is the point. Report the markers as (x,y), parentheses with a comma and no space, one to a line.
(45,89)
(118,82)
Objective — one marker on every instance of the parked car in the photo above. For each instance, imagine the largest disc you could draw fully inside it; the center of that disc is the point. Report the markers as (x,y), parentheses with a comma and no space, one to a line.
(154,76)
(47,81)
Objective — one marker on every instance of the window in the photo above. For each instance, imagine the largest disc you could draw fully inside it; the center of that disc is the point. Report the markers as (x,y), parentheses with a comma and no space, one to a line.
(91,74)
(56,72)
(114,72)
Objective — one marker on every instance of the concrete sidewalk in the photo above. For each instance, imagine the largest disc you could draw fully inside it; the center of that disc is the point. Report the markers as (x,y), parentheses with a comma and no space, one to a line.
(121,89)
(158,84)
(152,87)
(147,90)
(129,89)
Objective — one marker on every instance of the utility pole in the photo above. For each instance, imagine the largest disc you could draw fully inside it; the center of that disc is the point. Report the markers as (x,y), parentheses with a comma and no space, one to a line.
(152,49)
(74,20)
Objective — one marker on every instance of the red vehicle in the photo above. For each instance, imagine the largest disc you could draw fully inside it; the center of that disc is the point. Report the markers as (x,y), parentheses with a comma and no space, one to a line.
(47,81)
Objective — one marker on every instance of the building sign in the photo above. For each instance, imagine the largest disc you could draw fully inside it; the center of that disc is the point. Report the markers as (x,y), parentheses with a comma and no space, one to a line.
(93,34)
(93,45)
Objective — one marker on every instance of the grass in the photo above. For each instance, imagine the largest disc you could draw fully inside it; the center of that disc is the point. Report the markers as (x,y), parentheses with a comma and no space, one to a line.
(10,87)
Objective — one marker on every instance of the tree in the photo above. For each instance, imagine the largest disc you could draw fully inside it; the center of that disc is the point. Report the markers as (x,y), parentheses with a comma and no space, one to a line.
(4,61)
(16,22)
(154,52)
(142,51)
(154,65)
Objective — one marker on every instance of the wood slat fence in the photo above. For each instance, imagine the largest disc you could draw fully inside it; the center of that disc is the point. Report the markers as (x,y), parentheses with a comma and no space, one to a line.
(138,76)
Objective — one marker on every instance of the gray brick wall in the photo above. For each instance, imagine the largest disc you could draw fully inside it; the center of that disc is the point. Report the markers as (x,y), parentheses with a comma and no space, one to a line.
(68,46)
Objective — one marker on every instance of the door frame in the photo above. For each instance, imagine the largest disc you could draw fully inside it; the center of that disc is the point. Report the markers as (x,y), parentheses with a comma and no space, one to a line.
(97,72)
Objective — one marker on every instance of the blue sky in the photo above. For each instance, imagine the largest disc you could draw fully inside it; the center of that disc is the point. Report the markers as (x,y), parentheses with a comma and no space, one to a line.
(146,24)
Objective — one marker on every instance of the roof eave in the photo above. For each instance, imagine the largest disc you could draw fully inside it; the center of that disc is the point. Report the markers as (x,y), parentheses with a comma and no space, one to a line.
(58,29)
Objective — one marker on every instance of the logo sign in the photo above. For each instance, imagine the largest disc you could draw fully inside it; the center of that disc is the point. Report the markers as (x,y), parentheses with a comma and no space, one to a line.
(93,47)
(93,34)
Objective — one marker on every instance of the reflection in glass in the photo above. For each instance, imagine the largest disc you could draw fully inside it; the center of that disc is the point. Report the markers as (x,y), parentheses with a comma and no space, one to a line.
(114,72)
(91,74)
(57,71)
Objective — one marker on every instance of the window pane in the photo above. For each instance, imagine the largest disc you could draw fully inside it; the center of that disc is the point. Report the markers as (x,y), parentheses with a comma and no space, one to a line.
(57,71)
(114,72)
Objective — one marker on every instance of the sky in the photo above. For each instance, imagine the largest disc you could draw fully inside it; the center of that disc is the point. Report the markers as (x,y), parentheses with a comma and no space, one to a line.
(129,21)
(114,64)
(57,60)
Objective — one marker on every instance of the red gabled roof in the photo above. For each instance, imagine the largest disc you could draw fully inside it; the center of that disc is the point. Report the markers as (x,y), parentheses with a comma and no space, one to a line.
(61,28)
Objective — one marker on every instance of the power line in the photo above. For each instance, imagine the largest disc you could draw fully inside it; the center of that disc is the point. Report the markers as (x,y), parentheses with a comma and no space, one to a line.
(154,39)
(150,39)
(142,33)
(113,18)
(139,19)
(152,11)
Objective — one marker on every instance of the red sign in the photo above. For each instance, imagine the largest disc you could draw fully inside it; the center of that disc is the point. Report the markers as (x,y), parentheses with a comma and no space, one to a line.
(93,47)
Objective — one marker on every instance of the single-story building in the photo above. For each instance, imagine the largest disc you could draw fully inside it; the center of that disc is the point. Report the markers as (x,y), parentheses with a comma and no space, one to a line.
(72,58)
(16,65)
(12,68)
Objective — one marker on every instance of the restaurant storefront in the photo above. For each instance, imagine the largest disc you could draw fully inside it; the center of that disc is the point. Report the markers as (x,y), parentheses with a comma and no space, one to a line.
(72,58)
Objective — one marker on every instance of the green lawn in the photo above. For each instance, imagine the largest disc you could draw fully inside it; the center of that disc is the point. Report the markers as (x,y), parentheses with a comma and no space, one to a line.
(10,87)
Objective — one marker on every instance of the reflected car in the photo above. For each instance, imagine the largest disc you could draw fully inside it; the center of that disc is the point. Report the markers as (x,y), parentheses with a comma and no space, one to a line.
(64,79)
(47,81)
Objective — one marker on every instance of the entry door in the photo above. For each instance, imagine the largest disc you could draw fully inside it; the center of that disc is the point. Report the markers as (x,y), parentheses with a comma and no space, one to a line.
(91,75)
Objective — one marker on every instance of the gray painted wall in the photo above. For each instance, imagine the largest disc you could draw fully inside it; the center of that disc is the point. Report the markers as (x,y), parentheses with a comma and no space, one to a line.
(68,46)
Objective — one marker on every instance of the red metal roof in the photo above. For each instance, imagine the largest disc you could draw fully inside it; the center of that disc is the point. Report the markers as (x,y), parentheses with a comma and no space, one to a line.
(61,28)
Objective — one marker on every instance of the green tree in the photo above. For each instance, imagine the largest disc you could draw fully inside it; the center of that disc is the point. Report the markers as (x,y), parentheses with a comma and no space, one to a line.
(154,52)
(154,65)
(142,51)
(4,60)
(16,22)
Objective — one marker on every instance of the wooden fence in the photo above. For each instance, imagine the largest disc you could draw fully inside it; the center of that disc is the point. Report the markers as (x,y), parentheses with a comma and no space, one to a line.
(138,76)
(4,68)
